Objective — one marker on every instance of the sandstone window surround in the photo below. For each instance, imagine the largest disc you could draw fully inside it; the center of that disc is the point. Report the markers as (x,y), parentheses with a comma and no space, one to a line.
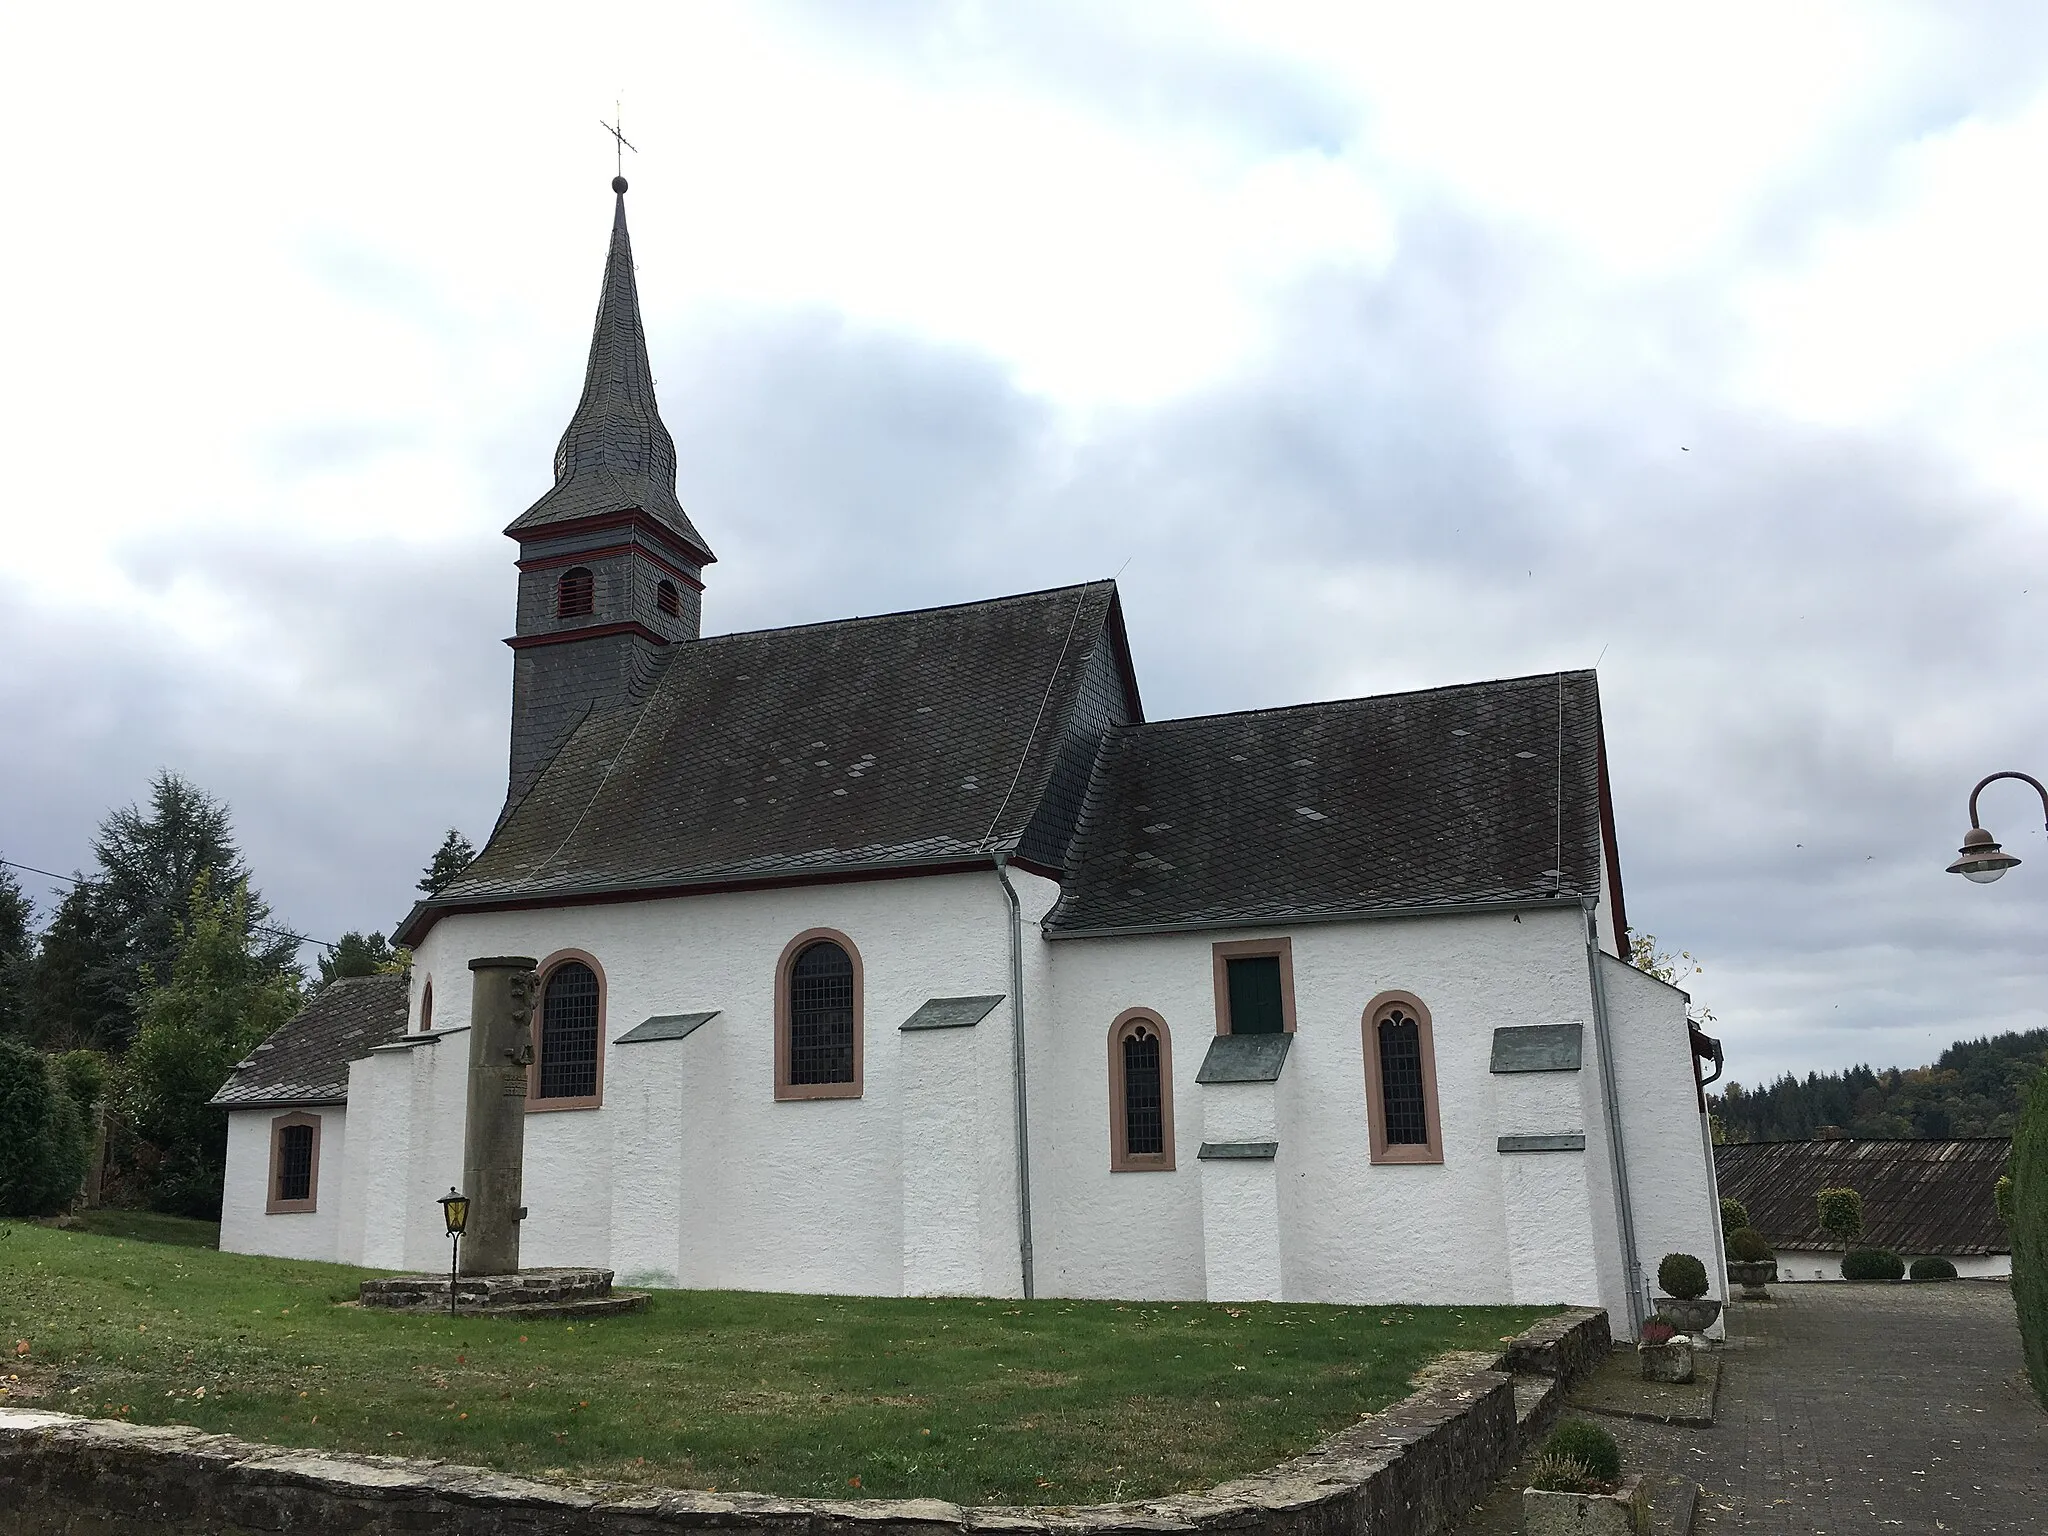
(568,1034)
(427,1007)
(1400,1080)
(819,1036)
(1140,1093)
(1254,986)
(294,1165)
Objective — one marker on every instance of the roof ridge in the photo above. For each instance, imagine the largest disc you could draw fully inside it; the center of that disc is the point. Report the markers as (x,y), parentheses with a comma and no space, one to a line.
(1356,700)
(906,613)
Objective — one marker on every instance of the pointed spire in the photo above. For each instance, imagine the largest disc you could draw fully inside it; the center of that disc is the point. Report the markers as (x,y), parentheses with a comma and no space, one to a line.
(616,455)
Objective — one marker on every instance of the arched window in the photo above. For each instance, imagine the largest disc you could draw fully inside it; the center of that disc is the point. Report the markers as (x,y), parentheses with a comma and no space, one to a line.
(818,1018)
(427,1006)
(575,593)
(1140,1093)
(1400,1081)
(667,599)
(294,1164)
(568,1045)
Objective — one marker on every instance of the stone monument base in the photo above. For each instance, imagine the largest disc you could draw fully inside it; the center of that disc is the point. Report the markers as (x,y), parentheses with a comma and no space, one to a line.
(528,1293)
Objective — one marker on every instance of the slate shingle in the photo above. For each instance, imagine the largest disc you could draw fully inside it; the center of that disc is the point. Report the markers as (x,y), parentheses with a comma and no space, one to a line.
(1482,793)
(901,739)
(306,1060)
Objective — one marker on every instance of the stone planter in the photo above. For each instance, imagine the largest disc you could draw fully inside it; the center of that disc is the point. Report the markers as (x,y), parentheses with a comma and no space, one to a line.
(1625,1512)
(1753,1276)
(1690,1316)
(1666,1362)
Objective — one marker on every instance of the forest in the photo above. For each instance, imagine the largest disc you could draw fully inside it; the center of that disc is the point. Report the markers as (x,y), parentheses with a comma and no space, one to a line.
(1973,1089)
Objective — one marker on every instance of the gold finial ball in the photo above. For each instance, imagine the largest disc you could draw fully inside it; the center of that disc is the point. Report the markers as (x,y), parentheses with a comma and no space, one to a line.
(619,184)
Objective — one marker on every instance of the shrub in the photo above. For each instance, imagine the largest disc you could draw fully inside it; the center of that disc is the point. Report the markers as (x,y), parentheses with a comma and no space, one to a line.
(1872,1264)
(1563,1474)
(1733,1215)
(1683,1276)
(1589,1445)
(44,1148)
(1746,1245)
(2001,1197)
(1659,1330)
(1932,1269)
(1841,1214)
(2030,1233)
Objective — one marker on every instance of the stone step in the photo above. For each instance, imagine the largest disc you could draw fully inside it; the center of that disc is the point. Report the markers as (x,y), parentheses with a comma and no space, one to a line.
(527,1289)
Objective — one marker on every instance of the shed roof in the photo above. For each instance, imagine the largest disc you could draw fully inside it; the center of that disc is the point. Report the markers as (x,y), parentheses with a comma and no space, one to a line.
(306,1060)
(1919,1196)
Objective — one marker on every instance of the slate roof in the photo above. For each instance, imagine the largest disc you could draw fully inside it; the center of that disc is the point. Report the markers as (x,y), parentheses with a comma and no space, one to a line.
(1488,792)
(905,739)
(616,455)
(1919,1197)
(306,1060)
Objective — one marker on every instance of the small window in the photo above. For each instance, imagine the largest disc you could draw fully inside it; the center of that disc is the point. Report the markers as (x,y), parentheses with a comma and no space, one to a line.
(1140,1093)
(1255,987)
(294,1164)
(575,593)
(668,600)
(818,1018)
(1400,1081)
(571,1037)
(427,1007)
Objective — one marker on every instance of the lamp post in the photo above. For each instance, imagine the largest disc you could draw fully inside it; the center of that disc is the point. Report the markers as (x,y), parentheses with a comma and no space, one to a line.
(454,1211)
(1981,859)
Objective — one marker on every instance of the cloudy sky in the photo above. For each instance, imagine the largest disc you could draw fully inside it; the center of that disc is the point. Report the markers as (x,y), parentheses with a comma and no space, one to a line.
(1378,347)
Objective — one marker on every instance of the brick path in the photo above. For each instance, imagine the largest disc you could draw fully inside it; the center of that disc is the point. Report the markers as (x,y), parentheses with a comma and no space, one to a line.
(1853,1409)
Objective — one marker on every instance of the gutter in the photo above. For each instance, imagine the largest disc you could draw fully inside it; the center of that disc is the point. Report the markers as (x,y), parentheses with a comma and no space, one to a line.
(1548,902)
(1002,861)
(1610,1094)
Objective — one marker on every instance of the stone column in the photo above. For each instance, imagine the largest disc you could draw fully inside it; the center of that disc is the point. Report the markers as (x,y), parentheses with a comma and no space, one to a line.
(494,1134)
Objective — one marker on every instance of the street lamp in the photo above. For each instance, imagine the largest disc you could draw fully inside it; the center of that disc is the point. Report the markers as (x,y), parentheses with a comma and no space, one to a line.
(454,1211)
(1980,859)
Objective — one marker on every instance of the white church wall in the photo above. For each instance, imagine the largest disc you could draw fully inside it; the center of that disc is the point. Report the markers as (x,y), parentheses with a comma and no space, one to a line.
(1670,1178)
(1554,1234)
(245,1225)
(1351,1231)
(793,1195)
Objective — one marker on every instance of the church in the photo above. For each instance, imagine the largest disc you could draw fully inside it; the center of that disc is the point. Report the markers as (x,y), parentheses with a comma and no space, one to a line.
(904,955)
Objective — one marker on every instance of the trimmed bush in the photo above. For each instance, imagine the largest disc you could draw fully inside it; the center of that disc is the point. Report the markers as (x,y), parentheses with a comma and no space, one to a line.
(1746,1245)
(2030,1233)
(1841,1214)
(1589,1445)
(1682,1276)
(1932,1269)
(1872,1264)
(1733,1215)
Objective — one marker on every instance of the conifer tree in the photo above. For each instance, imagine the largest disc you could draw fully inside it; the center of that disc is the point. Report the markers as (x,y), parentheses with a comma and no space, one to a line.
(17,957)
(450,859)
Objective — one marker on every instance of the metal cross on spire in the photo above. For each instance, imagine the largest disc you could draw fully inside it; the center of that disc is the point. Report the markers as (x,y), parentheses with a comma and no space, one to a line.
(619,149)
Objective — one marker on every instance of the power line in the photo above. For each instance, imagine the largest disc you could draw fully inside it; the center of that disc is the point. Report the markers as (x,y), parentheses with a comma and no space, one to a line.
(282,933)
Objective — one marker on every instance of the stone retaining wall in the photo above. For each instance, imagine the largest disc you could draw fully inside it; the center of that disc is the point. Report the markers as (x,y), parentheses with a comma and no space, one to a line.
(1410,1470)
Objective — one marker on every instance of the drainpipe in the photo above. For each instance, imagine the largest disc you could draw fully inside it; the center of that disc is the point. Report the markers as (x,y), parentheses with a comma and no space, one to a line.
(1632,1266)
(1017,1063)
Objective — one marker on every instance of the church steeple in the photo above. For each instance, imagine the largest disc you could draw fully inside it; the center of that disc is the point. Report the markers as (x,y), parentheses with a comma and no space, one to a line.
(616,455)
(610,565)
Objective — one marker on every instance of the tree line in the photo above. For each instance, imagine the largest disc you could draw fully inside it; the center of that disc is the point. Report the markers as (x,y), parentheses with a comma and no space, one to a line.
(1975,1088)
(122,1015)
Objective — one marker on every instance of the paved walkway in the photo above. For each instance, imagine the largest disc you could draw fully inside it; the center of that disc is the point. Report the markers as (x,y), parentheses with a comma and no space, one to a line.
(1852,1409)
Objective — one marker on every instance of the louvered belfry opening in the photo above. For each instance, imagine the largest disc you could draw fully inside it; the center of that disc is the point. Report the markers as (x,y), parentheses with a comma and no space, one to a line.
(668,599)
(1403,1105)
(568,1033)
(821,1015)
(575,593)
(1144,1119)
(295,1163)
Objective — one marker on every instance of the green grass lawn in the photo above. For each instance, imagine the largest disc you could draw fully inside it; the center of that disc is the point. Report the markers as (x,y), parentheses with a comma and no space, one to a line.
(1052,1402)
